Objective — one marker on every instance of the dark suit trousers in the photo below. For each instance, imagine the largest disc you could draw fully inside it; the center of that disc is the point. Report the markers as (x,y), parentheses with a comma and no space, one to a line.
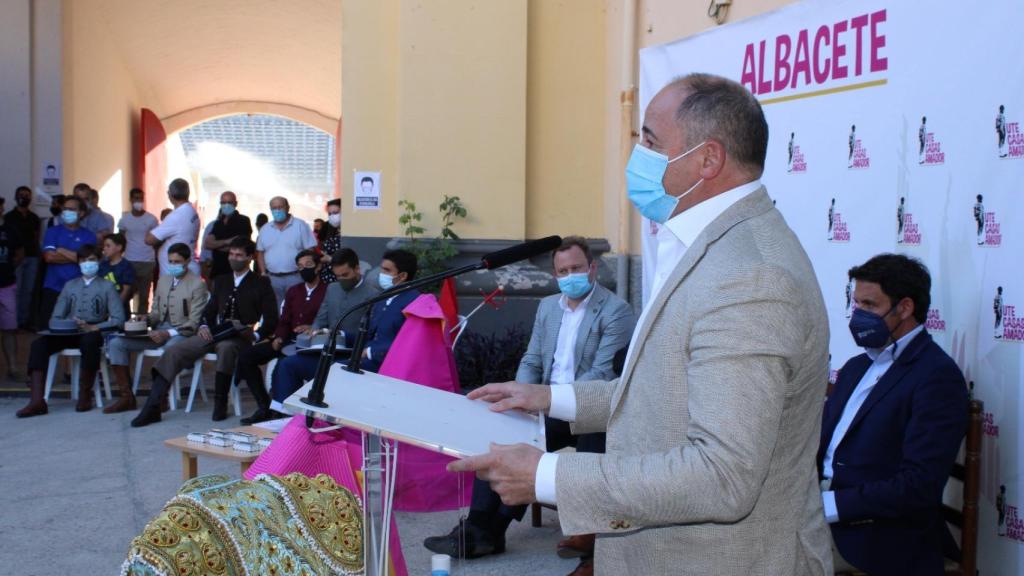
(250,360)
(88,343)
(486,510)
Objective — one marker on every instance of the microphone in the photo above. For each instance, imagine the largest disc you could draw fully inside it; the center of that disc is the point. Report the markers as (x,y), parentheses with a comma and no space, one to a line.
(520,252)
(490,261)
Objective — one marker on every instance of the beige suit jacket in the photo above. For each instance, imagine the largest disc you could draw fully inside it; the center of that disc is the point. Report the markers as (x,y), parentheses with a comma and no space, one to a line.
(181,305)
(713,427)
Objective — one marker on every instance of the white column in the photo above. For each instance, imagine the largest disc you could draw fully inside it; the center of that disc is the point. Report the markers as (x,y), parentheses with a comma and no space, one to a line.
(15,94)
(47,78)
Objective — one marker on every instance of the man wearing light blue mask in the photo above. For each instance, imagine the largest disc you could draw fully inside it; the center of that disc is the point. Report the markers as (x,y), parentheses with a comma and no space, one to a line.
(712,427)
(177,312)
(60,253)
(278,243)
(88,306)
(576,335)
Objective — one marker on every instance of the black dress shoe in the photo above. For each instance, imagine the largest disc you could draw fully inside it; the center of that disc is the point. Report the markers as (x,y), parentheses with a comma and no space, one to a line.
(260,415)
(147,416)
(465,541)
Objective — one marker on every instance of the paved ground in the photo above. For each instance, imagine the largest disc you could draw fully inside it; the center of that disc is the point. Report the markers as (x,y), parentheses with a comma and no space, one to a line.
(76,488)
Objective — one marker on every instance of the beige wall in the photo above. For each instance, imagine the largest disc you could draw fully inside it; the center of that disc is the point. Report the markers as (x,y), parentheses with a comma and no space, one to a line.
(434,97)
(660,21)
(101,108)
(565,143)
(369,105)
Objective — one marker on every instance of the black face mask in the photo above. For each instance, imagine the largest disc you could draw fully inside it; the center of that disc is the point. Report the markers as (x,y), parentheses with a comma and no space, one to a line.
(349,284)
(56,210)
(23,202)
(308,274)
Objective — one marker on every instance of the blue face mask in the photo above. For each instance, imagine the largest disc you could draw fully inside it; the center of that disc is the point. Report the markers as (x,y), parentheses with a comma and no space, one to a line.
(69,216)
(869,329)
(644,175)
(176,270)
(279,215)
(227,209)
(385,281)
(575,286)
(89,268)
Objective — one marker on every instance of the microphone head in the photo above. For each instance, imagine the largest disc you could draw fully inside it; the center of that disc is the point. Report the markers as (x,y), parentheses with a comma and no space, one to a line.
(519,252)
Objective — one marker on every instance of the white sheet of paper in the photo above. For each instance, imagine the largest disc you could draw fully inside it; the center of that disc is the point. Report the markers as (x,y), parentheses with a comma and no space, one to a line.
(426,417)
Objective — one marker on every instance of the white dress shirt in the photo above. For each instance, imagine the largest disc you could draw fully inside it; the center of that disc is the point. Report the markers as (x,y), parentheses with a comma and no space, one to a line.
(882,360)
(181,225)
(674,237)
(563,366)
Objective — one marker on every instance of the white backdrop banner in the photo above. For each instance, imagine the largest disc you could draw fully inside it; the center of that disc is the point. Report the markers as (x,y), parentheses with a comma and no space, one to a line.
(896,127)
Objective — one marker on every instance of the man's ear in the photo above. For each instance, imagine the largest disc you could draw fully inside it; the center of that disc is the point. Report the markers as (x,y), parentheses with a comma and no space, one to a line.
(905,308)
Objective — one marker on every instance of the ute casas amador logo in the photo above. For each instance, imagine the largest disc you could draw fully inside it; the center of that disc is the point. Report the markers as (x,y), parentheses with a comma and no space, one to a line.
(838,231)
(908,232)
(1009,138)
(987,228)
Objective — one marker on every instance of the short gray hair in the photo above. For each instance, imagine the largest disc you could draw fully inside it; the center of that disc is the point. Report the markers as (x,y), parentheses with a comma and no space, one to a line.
(716,108)
(178,189)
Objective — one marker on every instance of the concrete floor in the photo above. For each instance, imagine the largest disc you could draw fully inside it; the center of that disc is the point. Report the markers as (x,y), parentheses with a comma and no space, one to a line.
(78,487)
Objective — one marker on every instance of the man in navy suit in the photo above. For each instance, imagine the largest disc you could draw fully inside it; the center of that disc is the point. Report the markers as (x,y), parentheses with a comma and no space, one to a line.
(891,429)
(396,267)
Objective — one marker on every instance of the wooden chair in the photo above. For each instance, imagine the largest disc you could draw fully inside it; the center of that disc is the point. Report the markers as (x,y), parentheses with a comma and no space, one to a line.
(966,518)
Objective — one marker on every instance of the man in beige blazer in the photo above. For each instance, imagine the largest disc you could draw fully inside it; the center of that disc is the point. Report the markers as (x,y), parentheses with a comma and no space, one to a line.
(713,427)
(177,311)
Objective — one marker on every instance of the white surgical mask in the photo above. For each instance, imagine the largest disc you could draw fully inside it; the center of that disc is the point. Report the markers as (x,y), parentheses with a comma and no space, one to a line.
(334,220)
(138,206)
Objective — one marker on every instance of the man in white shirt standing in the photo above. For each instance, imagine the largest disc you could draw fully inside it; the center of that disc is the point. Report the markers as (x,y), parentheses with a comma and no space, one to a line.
(181,225)
(279,241)
(135,224)
(576,335)
(713,426)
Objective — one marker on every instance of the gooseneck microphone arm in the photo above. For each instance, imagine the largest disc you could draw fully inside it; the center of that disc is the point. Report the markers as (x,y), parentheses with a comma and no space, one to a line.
(316,393)
(488,262)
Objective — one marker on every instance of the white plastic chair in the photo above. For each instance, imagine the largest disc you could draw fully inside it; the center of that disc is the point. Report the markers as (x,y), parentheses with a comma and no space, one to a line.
(75,355)
(269,374)
(175,386)
(197,382)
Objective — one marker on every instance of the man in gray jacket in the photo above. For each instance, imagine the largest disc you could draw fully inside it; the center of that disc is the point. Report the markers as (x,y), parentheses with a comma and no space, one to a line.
(576,335)
(713,427)
(351,288)
(95,306)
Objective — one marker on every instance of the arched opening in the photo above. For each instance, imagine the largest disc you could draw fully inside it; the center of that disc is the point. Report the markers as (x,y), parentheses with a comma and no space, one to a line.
(256,156)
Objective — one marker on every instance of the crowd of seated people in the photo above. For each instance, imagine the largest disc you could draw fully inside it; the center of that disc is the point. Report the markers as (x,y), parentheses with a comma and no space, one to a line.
(260,293)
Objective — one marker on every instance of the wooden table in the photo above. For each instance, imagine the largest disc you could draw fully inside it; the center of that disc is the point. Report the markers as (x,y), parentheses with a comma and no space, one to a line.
(191,450)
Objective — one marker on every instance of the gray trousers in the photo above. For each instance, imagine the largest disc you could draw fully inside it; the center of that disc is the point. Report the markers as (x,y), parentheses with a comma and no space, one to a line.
(142,284)
(184,354)
(281,284)
(120,349)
